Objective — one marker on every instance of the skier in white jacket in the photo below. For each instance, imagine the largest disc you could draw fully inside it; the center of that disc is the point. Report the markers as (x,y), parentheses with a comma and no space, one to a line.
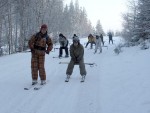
(98,44)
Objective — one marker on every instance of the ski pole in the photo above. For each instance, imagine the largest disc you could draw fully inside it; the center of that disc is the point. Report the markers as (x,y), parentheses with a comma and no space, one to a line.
(90,64)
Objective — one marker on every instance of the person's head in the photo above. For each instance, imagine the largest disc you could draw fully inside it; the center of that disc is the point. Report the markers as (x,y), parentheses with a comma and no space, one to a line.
(97,36)
(74,35)
(43,29)
(76,41)
(60,35)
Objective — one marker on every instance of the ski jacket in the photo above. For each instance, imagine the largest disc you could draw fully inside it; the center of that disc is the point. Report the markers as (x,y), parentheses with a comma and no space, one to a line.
(63,41)
(110,36)
(40,43)
(76,52)
(91,38)
(98,43)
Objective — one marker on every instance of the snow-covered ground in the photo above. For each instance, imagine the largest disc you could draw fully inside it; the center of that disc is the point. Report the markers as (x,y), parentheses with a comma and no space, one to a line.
(118,84)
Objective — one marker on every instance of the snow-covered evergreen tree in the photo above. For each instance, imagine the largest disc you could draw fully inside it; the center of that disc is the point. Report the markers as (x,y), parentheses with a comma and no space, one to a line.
(143,20)
(99,28)
(130,21)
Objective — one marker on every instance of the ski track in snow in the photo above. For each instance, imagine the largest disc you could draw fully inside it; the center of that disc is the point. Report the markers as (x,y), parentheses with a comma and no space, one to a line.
(109,87)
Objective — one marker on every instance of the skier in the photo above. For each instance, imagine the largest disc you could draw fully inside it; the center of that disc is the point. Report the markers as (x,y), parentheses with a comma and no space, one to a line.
(101,36)
(91,40)
(98,44)
(40,43)
(63,45)
(76,53)
(110,37)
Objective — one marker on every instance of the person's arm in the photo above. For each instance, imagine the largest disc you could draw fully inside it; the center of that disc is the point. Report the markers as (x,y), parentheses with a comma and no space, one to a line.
(31,43)
(50,45)
(81,53)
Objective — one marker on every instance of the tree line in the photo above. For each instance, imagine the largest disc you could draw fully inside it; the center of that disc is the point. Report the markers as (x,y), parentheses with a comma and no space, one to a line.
(136,22)
(19,19)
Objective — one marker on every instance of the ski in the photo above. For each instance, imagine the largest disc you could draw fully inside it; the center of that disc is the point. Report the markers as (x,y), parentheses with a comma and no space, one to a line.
(40,86)
(30,87)
(60,57)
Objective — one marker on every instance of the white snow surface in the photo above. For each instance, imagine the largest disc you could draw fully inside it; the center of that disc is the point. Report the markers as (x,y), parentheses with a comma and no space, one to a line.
(118,84)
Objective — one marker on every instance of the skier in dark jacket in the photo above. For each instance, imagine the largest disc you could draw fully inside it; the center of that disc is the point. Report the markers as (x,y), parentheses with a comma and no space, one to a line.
(76,53)
(101,36)
(110,37)
(63,45)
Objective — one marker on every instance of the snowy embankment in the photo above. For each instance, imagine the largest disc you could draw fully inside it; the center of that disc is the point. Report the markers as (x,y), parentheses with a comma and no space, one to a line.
(118,84)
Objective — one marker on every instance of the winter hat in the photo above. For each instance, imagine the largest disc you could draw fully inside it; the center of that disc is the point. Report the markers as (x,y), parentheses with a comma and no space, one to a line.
(76,39)
(74,35)
(44,26)
(61,35)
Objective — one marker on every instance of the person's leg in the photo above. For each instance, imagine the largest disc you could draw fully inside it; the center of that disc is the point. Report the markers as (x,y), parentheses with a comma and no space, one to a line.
(86,44)
(60,52)
(82,68)
(41,67)
(66,51)
(96,47)
(70,68)
(34,68)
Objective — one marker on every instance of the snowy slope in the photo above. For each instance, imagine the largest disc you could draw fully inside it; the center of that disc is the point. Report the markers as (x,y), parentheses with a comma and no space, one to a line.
(118,84)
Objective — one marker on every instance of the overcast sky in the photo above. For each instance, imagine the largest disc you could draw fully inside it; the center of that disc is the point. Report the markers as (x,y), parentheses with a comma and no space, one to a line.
(107,11)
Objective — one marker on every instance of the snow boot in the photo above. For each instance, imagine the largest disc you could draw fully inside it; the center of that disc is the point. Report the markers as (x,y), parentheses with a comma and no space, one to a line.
(67,79)
(34,82)
(43,82)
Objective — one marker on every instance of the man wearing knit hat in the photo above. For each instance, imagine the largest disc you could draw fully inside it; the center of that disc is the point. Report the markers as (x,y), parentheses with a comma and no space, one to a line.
(40,43)
(76,53)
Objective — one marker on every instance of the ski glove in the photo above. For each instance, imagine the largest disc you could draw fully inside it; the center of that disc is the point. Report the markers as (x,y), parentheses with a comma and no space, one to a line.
(32,51)
(47,52)
(77,59)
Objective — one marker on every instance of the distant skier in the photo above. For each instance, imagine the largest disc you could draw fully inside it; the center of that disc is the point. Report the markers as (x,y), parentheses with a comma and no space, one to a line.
(98,44)
(63,45)
(91,40)
(76,53)
(39,44)
(110,37)
(101,36)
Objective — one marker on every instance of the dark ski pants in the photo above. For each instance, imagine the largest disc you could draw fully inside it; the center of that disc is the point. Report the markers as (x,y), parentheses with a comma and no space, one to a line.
(91,44)
(111,41)
(71,66)
(61,50)
(37,66)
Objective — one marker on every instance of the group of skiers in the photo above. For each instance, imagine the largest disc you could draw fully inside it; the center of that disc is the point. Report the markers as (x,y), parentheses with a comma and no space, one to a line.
(97,40)
(40,43)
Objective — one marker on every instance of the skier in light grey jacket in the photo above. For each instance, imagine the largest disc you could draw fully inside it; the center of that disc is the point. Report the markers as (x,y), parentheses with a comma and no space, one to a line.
(98,44)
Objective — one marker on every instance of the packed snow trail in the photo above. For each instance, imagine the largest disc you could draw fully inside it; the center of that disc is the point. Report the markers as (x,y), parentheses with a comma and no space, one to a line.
(118,84)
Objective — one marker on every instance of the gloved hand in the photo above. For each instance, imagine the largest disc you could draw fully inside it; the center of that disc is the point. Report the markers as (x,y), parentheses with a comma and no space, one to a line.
(47,52)
(32,51)
(77,60)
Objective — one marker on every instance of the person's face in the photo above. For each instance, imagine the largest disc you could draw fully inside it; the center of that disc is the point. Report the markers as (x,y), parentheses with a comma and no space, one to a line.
(43,30)
(75,43)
